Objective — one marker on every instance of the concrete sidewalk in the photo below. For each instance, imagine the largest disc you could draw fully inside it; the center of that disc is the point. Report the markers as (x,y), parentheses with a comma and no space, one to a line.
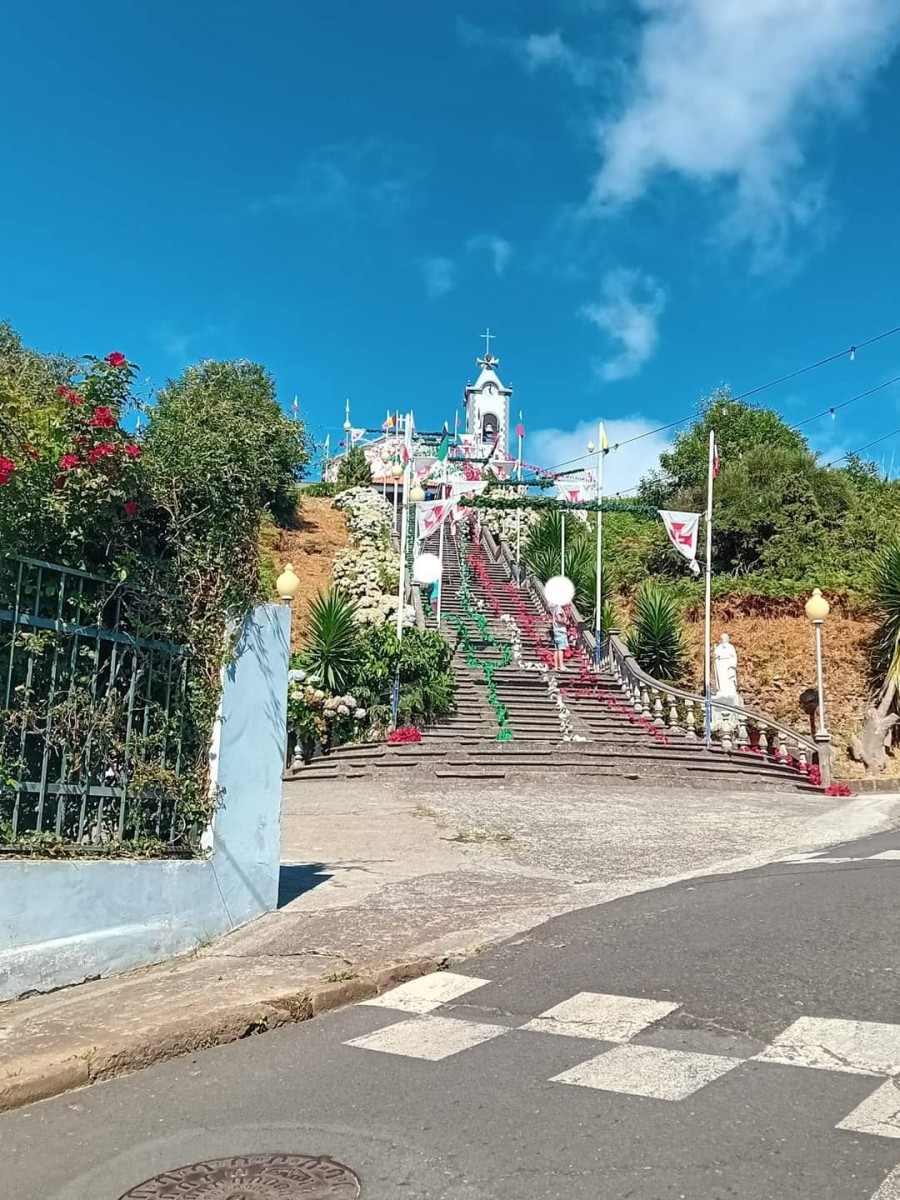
(380,885)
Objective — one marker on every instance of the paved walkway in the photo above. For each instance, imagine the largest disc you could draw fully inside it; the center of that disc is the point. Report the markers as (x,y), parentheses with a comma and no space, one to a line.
(379,885)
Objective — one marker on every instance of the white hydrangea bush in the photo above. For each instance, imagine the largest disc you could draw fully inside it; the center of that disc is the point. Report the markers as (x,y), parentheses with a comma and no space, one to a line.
(368,569)
(503,522)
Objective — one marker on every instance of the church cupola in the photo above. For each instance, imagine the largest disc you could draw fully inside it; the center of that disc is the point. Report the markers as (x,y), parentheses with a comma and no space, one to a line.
(487,407)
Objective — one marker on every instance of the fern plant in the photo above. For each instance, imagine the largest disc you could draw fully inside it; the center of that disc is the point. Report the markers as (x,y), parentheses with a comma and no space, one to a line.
(332,644)
(656,638)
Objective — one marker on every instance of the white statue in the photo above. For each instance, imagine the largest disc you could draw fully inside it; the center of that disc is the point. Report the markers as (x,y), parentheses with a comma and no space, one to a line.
(726,660)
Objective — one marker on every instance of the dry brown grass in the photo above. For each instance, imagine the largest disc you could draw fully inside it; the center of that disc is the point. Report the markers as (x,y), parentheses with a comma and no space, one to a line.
(311,547)
(777,662)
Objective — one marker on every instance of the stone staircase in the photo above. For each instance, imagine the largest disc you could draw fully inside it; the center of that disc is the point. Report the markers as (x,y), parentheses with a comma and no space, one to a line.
(602,736)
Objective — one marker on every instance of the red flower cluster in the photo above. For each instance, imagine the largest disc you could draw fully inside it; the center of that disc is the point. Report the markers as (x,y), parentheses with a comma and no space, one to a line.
(70,395)
(102,418)
(7,466)
(839,789)
(405,735)
(116,359)
(104,450)
(68,461)
(133,451)
(131,507)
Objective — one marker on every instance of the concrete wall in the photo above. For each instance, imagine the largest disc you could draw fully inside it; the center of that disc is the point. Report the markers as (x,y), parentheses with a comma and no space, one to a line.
(65,921)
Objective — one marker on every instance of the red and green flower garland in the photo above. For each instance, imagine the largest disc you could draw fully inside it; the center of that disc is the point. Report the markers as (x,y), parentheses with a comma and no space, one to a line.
(473,659)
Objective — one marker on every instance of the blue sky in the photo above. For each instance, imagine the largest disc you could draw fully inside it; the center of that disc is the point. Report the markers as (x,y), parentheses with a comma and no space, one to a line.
(643,199)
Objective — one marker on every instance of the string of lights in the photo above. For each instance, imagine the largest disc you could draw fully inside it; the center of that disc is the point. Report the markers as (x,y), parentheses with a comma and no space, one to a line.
(850,352)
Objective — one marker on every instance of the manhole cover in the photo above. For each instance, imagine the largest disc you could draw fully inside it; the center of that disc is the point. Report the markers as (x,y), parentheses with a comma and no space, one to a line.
(253,1177)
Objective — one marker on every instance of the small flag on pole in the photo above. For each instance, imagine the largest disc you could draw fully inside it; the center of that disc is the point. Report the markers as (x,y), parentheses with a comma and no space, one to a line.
(715,459)
(356,435)
(296,407)
(388,421)
(444,448)
(604,441)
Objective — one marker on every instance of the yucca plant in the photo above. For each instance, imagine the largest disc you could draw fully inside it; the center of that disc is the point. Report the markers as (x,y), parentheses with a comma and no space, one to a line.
(656,638)
(331,646)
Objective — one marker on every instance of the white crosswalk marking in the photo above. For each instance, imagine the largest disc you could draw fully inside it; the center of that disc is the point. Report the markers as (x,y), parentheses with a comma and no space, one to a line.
(654,1072)
(857,1047)
(813,858)
(427,993)
(431,1038)
(878,1113)
(602,1017)
(649,1071)
(890,1189)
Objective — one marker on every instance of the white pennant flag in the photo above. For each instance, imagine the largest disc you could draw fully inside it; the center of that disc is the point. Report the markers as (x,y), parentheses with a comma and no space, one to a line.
(467,487)
(574,493)
(683,530)
(430,515)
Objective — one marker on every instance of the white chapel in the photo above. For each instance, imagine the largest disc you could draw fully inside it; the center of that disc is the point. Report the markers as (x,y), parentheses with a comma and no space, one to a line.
(487,408)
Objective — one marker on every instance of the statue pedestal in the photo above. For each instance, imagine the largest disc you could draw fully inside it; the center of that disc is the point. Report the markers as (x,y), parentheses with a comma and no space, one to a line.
(720,715)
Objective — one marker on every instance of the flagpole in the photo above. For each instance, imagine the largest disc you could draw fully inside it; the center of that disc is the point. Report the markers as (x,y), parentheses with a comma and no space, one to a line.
(401,589)
(562,541)
(518,510)
(440,595)
(393,476)
(708,607)
(598,619)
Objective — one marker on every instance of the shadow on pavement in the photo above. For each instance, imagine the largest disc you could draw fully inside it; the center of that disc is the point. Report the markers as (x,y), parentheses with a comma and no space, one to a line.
(296,878)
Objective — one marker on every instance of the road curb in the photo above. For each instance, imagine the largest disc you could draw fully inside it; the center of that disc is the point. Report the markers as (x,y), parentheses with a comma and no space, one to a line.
(43,1076)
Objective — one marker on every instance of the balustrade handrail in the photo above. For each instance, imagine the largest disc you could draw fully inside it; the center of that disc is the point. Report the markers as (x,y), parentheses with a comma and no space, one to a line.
(629,662)
(815,749)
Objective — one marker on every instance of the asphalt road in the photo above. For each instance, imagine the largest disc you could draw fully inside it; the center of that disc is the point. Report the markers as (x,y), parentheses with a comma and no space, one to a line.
(703,1041)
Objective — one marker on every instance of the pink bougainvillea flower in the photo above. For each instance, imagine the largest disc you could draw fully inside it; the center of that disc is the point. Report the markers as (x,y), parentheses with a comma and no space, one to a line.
(7,466)
(116,359)
(62,390)
(131,507)
(103,418)
(74,398)
(68,461)
(133,451)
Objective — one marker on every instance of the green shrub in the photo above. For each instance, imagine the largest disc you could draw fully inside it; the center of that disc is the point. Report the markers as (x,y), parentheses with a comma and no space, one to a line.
(656,638)
(354,470)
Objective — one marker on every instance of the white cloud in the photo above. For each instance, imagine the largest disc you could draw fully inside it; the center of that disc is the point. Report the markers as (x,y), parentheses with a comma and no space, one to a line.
(551,50)
(533,51)
(439,275)
(498,250)
(628,313)
(181,344)
(727,92)
(622,468)
(369,178)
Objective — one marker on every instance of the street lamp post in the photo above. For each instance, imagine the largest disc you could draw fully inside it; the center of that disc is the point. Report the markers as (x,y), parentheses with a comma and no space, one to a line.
(817,609)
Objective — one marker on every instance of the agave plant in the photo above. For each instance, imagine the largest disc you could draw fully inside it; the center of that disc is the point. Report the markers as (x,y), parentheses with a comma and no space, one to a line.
(331,646)
(656,638)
